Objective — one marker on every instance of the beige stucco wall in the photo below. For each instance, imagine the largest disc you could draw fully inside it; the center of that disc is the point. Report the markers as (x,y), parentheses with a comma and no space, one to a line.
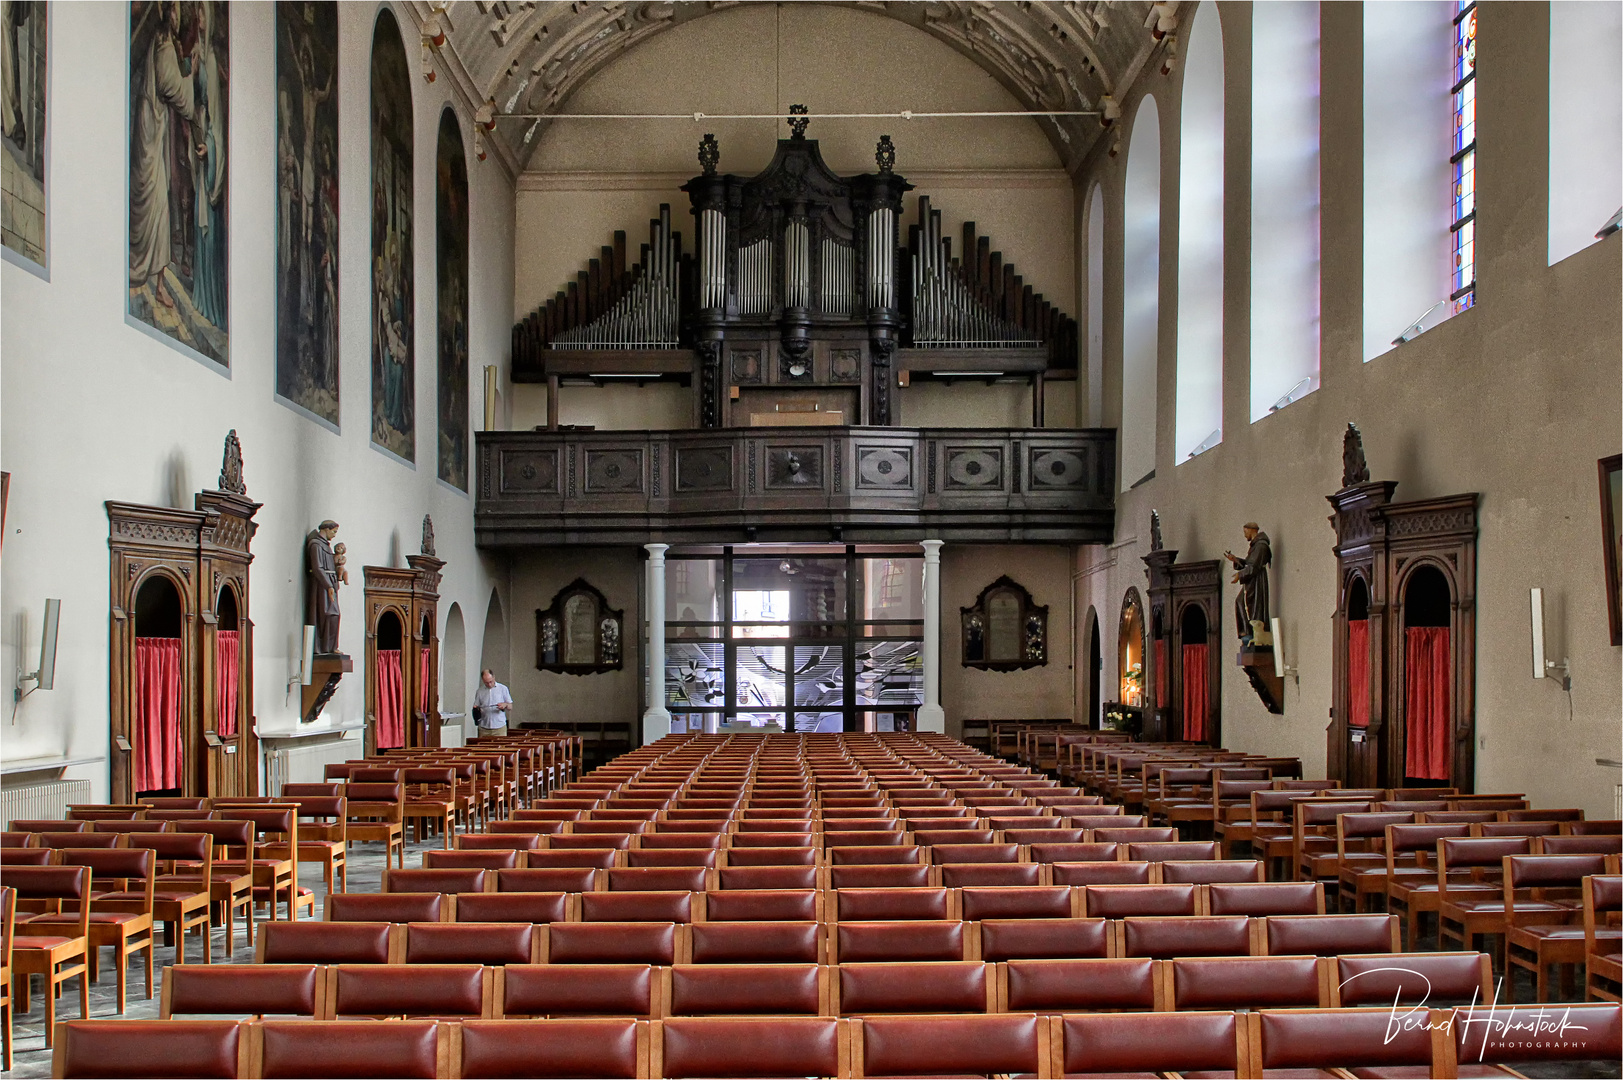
(1515,399)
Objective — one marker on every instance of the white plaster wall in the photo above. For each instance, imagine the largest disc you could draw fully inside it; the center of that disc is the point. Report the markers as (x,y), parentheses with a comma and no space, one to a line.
(95,410)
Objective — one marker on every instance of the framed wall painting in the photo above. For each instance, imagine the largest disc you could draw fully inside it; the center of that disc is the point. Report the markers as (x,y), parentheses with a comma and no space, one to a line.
(24,83)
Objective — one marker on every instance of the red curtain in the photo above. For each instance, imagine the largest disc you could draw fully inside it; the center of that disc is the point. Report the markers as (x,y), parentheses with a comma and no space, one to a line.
(422,683)
(227,676)
(1194,693)
(391,700)
(1358,673)
(1163,674)
(159,755)
(1426,676)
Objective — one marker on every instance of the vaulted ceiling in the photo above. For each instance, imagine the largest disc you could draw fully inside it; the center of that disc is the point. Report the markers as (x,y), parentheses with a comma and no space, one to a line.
(530,57)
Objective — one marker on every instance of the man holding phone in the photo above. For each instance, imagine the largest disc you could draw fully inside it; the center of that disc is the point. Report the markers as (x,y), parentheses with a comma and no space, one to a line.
(491,704)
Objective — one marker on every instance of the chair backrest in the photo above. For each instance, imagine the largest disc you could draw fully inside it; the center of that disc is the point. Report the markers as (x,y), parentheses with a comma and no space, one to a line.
(1107,1043)
(1266,898)
(175,802)
(770,905)
(135,867)
(722,989)
(610,943)
(449,880)
(1204,872)
(978,1045)
(1329,935)
(643,906)
(1101,873)
(1018,902)
(1075,985)
(1412,979)
(658,878)
(400,1048)
(950,987)
(624,990)
(1578,845)
(895,876)
(779,1046)
(410,990)
(1572,1032)
(48,825)
(877,904)
(303,791)
(1309,1039)
(547,879)
(473,859)
(335,942)
(134,826)
(1250,982)
(384,907)
(1183,935)
(494,944)
(1119,901)
(757,942)
(27,856)
(510,907)
(238,989)
(375,801)
(203,1048)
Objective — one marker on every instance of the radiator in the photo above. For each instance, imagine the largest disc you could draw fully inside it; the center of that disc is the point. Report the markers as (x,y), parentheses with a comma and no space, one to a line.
(304,764)
(42,802)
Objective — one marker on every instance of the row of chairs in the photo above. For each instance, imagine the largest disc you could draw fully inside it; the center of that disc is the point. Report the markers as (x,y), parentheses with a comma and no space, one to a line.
(520,990)
(362,931)
(1430,1042)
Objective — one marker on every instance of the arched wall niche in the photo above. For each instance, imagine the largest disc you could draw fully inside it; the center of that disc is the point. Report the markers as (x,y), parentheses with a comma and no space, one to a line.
(454,664)
(1130,661)
(409,595)
(1186,599)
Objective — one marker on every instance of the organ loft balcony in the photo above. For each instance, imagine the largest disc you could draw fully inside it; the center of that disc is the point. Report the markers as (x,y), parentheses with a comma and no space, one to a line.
(795,321)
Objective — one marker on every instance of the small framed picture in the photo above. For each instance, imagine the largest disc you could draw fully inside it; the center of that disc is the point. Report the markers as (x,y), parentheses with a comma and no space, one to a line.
(1611,507)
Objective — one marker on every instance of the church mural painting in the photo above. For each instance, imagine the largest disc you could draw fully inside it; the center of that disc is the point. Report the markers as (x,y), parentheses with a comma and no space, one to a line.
(393,365)
(23,83)
(307,208)
(179,242)
(451,215)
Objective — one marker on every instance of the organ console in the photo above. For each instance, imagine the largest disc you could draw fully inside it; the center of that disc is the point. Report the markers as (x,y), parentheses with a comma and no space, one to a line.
(798,298)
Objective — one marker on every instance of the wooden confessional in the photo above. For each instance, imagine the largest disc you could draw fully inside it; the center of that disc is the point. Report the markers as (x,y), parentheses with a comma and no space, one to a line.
(181,670)
(1185,613)
(403,653)
(1404,572)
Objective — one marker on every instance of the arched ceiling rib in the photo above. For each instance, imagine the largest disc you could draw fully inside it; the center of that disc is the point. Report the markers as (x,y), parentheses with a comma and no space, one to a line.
(530,57)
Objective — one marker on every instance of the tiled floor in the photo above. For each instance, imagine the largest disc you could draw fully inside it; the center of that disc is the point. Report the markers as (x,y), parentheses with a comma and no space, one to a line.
(366,875)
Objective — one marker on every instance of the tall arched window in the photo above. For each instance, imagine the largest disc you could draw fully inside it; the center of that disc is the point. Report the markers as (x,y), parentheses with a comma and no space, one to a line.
(1463,214)
(1096,307)
(1199,410)
(1408,182)
(1141,294)
(1586,122)
(1284,203)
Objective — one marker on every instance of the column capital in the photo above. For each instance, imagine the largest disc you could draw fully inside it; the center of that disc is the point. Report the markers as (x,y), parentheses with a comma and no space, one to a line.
(932,549)
(656,551)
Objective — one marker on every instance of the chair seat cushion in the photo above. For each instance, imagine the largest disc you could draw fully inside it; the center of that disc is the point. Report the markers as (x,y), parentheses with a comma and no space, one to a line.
(160,894)
(1488,907)
(41,942)
(111,918)
(1568,932)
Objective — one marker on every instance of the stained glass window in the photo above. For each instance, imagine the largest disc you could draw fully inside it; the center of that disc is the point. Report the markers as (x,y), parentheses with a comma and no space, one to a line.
(1463,214)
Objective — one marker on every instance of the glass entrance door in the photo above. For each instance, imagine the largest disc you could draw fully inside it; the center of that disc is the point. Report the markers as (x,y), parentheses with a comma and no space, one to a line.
(794,637)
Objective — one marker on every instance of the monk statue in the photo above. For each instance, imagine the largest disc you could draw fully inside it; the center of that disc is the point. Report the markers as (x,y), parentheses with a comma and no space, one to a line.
(321,602)
(1251,574)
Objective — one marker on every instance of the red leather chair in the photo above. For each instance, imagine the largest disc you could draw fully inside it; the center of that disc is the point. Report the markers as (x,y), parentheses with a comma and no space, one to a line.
(399,1048)
(1069,852)
(1101,873)
(658,879)
(1031,902)
(57,952)
(730,989)
(612,943)
(554,1048)
(1579,844)
(537,990)
(625,907)
(1170,851)
(747,837)
(757,942)
(283,942)
(242,989)
(120,1048)
(437,990)
(789,1046)
(48,825)
(1186,935)
(763,904)
(1328,935)
(1250,982)
(749,858)
(1120,901)
(1524,1034)
(397,907)
(430,880)
(974,853)
(986,874)
(509,858)
(1266,898)
(1123,1044)
(749,877)
(491,944)
(977,1045)
(125,926)
(547,879)
(1556,940)
(708,858)
(1143,834)
(590,841)
(897,941)
(1217,871)
(873,855)
(1069,938)
(895,876)
(961,987)
(1079,985)
(573,859)
(512,907)
(1414,979)
(892,904)
(1363,1042)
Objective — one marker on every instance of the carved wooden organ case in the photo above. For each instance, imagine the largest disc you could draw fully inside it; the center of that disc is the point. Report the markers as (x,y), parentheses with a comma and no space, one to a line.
(799,305)
(184,574)
(1185,609)
(402,612)
(1394,560)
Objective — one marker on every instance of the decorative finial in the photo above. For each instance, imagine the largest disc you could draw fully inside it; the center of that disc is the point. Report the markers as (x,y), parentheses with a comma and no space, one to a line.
(709,154)
(1155,530)
(885,155)
(428,535)
(797,127)
(1354,469)
(231,466)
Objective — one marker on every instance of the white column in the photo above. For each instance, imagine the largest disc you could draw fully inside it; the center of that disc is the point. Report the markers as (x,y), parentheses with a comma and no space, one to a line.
(656,719)
(931,716)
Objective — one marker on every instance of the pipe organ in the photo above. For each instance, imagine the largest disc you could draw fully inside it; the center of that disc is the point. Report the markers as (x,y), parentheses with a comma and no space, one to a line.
(800,305)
